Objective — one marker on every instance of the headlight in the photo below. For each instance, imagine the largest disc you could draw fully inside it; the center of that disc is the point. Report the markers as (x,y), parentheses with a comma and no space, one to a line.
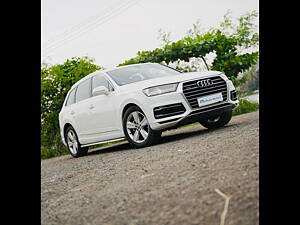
(162,89)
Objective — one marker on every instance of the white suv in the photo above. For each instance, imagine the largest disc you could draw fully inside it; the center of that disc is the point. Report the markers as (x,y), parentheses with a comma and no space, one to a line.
(138,102)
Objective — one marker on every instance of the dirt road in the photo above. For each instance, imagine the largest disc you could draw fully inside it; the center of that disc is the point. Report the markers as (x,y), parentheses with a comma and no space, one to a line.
(173,182)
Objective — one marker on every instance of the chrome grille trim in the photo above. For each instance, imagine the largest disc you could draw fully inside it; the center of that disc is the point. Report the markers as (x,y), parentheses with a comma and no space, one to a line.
(191,91)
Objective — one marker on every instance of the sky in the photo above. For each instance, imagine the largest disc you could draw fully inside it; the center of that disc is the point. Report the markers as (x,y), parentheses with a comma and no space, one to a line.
(112,31)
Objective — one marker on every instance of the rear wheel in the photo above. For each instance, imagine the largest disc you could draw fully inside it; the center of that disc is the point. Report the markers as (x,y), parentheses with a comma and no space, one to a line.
(73,144)
(137,129)
(217,121)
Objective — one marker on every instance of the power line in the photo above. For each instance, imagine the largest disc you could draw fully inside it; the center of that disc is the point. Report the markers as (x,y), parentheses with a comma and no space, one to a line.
(83,30)
(66,37)
(90,26)
(81,24)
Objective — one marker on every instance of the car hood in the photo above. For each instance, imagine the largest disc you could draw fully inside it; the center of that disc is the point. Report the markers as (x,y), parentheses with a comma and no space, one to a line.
(167,80)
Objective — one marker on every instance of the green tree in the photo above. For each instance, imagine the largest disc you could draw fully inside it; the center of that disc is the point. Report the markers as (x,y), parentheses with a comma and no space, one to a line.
(56,81)
(229,43)
(164,36)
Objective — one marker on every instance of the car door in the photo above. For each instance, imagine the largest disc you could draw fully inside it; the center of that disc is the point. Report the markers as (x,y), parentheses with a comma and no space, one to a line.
(69,109)
(103,112)
(81,112)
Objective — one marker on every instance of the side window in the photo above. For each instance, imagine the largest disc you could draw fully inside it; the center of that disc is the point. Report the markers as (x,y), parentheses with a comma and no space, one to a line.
(83,90)
(71,98)
(100,80)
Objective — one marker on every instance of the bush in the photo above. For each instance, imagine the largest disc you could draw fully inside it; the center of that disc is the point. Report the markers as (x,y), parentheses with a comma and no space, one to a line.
(56,81)
(229,44)
(47,152)
(245,106)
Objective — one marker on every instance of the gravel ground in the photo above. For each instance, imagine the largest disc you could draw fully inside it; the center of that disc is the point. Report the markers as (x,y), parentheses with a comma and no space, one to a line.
(173,182)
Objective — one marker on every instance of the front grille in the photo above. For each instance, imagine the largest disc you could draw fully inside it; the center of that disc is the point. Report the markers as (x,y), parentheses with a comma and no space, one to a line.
(168,110)
(192,91)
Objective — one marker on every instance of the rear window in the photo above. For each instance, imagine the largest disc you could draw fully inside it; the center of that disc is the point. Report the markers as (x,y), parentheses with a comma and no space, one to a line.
(71,98)
(83,90)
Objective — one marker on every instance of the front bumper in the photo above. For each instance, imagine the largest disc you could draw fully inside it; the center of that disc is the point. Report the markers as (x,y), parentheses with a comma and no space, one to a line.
(214,110)
(189,115)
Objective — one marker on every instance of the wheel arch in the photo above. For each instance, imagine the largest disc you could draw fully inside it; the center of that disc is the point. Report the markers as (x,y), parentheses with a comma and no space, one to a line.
(127,106)
(65,129)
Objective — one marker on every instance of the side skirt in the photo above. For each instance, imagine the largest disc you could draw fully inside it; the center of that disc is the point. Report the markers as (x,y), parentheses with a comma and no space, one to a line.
(101,142)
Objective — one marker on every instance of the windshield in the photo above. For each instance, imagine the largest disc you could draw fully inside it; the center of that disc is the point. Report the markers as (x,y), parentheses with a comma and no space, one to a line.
(140,72)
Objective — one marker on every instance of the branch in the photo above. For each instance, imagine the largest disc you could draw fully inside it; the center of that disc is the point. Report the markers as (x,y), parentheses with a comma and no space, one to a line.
(227,198)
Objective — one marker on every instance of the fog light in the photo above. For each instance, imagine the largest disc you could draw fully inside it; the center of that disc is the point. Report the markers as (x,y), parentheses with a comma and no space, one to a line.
(233,95)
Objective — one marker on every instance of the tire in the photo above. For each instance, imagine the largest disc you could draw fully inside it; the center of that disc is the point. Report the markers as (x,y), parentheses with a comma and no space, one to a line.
(73,144)
(217,121)
(137,129)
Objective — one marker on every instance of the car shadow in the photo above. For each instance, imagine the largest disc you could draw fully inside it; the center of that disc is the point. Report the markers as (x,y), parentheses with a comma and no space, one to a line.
(187,134)
(111,148)
(167,138)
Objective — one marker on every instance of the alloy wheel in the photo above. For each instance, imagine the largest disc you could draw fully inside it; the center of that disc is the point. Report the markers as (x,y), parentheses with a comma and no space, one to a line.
(137,127)
(72,141)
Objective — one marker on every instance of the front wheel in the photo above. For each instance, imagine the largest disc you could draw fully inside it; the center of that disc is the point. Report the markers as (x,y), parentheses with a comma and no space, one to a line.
(137,129)
(217,121)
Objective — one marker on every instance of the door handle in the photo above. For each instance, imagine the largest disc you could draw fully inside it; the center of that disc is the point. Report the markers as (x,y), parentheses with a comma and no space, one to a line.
(91,107)
(72,112)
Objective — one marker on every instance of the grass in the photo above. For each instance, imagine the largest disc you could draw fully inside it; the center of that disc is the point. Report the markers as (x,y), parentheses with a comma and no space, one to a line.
(245,106)
(106,144)
(50,153)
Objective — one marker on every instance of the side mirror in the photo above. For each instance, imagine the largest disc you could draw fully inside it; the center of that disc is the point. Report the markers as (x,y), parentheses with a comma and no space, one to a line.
(101,90)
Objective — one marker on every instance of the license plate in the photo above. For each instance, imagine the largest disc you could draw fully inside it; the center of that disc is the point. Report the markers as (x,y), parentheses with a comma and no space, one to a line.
(210,99)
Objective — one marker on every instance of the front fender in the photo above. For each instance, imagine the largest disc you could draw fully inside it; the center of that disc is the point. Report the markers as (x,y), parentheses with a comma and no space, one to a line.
(131,99)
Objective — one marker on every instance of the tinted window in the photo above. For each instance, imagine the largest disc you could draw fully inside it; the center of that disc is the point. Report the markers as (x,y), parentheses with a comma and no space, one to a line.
(131,74)
(100,80)
(71,98)
(83,91)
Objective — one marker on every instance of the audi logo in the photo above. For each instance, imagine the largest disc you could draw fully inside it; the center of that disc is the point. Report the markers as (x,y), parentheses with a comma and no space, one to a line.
(204,83)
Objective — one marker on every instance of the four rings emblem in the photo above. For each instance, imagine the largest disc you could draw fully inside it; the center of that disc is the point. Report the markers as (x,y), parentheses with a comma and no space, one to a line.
(204,83)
